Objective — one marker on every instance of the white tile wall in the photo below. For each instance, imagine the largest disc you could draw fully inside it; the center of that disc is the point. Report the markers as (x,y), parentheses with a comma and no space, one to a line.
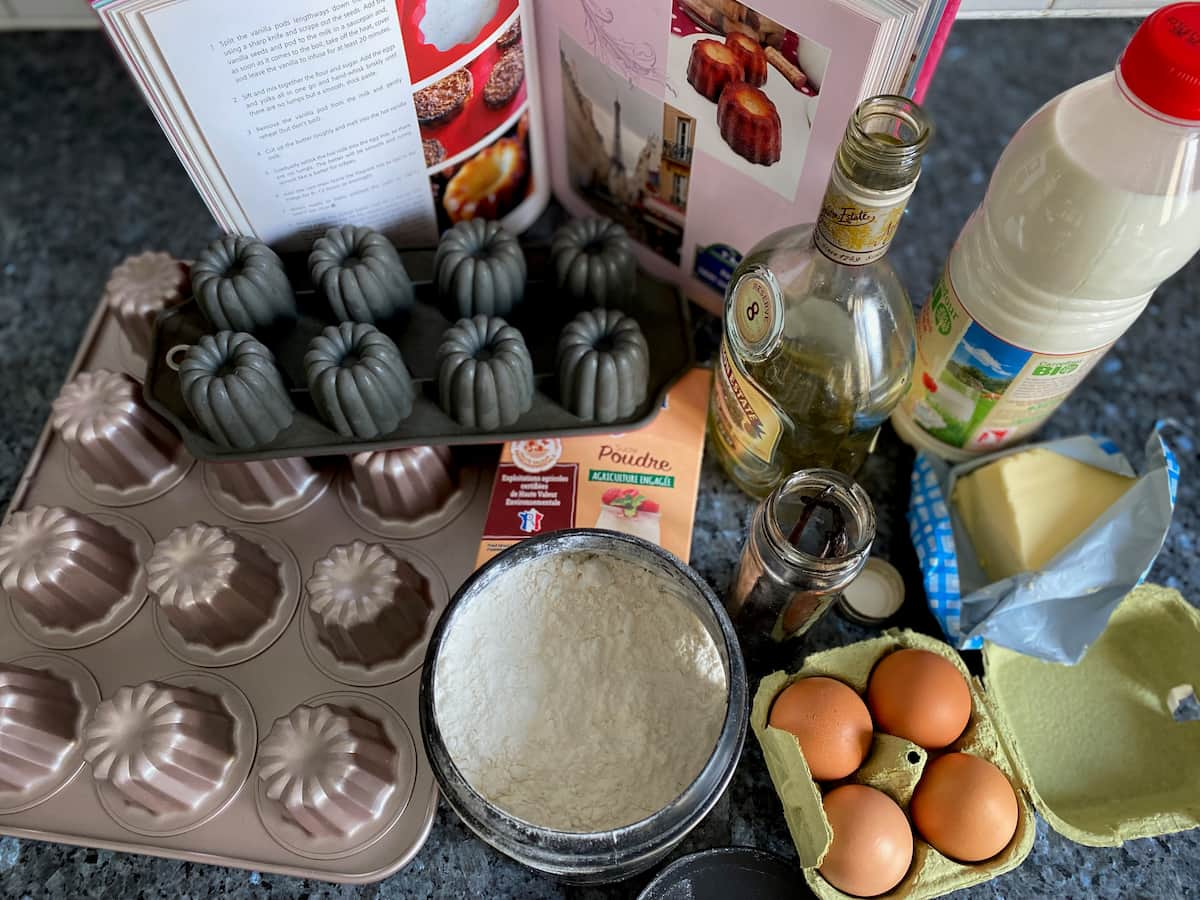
(970,8)
(1022,9)
(1105,7)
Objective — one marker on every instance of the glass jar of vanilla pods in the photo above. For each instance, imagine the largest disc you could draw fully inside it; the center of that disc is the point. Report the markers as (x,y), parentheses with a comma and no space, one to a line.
(808,539)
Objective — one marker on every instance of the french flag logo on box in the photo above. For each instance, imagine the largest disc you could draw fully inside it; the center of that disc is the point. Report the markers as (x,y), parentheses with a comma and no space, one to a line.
(531,521)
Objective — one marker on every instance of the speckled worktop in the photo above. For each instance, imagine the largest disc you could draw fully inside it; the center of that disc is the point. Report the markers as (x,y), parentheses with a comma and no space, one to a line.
(86,178)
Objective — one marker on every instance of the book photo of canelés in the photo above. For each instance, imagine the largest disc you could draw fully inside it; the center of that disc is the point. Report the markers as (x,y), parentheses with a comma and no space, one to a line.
(752,85)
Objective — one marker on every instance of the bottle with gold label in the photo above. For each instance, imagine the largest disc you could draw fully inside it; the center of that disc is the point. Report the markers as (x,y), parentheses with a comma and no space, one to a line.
(818,339)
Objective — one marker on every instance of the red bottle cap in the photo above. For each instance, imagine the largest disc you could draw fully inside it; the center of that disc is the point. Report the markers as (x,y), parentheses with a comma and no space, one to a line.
(1161,65)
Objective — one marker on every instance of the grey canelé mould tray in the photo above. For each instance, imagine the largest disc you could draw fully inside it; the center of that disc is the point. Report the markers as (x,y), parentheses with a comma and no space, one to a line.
(659,309)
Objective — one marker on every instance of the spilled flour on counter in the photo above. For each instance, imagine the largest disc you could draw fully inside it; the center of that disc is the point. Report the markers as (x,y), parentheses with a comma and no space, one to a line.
(579,693)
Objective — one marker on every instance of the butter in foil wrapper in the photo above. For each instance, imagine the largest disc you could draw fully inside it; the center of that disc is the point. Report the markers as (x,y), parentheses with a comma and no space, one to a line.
(1054,613)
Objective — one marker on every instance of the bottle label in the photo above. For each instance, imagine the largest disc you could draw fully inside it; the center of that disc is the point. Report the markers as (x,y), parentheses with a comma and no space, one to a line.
(756,313)
(855,228)
(975,391)
(746,421)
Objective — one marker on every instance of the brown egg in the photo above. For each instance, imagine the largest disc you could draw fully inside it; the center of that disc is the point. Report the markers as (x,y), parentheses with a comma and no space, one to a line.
(920,696)
(829,720)
(872,844)
(965,807)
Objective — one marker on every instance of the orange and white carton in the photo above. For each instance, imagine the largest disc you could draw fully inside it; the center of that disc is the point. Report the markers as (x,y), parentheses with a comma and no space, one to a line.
(640,482)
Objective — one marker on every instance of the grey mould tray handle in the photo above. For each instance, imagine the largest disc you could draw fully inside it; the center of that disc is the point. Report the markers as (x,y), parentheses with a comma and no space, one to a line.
(659,308)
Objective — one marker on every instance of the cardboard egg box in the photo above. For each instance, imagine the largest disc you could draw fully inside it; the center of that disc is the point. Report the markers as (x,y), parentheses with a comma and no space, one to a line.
(1095,748)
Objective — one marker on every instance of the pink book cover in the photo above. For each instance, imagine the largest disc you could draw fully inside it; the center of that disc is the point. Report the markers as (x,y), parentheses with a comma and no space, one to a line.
(635,133)
(936,46)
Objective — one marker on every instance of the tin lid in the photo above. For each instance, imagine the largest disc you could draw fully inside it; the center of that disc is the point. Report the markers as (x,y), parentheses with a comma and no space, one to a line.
(875,595)
(725,872)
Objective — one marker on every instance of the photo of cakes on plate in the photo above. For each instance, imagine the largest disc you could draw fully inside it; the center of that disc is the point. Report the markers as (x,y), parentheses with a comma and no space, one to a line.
(750,55)
(488,184)
(712,66)
(752,86)
(511,37)
(505,78)
(461,110)
(434,151)
(441,101)
(750,124)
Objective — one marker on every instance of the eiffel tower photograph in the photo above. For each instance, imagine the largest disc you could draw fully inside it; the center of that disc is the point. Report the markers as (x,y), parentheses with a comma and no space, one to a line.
(628,153)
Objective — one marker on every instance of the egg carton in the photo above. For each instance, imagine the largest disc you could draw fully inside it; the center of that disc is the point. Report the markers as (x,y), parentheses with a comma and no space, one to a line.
(1029,717)
(218,661)
(659,309)
(893,765)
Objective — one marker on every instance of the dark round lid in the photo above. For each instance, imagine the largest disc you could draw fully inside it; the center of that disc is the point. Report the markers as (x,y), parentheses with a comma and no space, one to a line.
(726,872)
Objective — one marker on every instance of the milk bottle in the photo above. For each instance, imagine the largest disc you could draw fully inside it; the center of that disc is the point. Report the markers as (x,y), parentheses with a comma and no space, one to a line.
(1095,202)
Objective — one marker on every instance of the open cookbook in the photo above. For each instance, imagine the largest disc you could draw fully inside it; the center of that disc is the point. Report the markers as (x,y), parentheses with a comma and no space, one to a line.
(699,125)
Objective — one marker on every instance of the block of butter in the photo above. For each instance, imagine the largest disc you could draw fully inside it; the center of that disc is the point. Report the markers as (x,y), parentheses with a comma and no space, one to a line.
(1024,508)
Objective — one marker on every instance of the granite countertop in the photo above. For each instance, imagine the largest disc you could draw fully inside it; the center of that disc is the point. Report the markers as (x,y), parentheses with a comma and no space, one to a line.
(86,178)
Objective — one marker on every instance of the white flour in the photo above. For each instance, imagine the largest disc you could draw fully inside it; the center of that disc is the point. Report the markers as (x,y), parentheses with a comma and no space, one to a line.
(579,693)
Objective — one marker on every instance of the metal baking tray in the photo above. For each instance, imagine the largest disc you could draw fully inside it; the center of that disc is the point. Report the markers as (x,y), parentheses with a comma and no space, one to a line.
(659,308)
(259,681)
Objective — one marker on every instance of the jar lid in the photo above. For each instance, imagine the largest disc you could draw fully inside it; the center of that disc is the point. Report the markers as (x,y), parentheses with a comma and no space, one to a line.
(725,872)
(875,595)
(1161,64)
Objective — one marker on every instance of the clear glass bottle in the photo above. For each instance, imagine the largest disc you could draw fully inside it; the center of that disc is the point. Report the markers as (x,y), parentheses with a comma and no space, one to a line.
(818,339)
(808,540)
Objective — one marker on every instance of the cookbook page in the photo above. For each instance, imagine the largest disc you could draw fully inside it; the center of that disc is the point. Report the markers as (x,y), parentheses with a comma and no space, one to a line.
(637,130)
(136,46)
(401,115)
